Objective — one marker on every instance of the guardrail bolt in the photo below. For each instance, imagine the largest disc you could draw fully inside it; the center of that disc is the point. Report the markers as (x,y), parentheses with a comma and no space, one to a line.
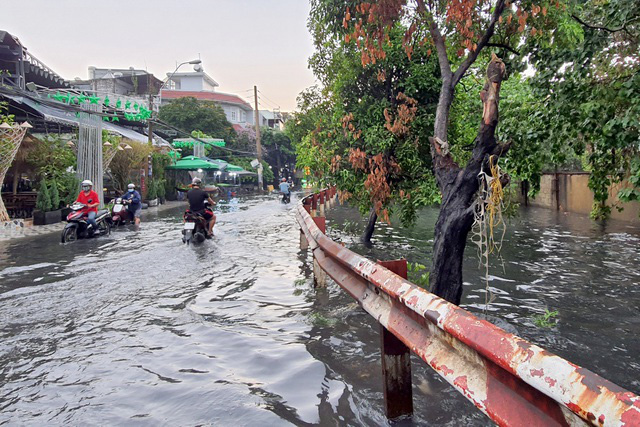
(396,362)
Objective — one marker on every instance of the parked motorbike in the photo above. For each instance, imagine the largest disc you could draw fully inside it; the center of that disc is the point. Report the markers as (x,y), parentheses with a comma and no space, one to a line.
(78,228)
(195,227)
(120,213)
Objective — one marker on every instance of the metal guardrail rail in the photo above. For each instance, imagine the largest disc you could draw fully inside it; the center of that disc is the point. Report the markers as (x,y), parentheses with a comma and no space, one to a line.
(514,382)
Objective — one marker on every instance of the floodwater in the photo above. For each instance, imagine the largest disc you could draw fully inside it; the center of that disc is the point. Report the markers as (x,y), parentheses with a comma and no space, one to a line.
(137,329)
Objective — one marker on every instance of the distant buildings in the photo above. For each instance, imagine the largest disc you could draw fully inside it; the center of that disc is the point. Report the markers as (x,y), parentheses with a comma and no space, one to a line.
(201,86)
(129,82)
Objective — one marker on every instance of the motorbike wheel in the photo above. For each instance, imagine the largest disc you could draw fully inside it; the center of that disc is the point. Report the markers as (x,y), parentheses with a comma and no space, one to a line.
(69,235)
(187,237)
(105,228)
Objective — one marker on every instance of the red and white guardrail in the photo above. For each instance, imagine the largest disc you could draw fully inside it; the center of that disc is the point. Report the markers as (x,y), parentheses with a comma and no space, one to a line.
(514,382)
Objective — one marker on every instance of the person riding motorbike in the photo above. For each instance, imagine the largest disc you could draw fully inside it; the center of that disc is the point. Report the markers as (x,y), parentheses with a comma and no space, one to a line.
(285,189)
(197,197)
(89,198)
(135,205)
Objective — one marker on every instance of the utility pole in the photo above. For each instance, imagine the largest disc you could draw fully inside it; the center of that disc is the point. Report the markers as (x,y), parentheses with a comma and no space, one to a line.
(258,146)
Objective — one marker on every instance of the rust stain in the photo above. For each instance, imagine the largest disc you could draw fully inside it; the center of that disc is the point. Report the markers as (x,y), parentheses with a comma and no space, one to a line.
(536,372)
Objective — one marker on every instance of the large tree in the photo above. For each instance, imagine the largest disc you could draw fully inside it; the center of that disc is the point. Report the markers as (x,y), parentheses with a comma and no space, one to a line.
(458,33)
(189,114)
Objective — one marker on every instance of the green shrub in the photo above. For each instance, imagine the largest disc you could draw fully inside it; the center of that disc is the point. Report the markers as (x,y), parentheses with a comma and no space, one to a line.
(55,196)
(43,201)
(68,187)
(160,188)
(152,191)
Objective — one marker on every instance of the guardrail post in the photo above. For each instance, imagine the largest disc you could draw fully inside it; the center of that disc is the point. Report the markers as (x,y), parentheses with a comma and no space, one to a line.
(321,204)
(319,275)
(396,361)
(304,243)
(314,205)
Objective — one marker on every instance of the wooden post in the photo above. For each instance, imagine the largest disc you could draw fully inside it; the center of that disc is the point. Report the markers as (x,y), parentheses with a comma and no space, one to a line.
(396,362)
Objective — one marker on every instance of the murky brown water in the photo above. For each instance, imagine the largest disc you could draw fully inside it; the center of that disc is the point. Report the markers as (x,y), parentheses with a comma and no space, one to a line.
(137,329)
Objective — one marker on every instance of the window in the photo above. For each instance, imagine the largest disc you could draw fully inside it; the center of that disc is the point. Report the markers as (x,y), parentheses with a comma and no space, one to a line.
(234,115)
(243,115)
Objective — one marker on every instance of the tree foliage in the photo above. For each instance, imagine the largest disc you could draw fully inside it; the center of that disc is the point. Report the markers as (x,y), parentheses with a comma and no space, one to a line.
(189,114)
(364,131)
(583,99)
(126,164)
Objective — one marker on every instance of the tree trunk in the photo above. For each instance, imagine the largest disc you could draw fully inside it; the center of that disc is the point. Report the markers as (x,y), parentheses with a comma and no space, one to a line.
(459,187)
(368,232)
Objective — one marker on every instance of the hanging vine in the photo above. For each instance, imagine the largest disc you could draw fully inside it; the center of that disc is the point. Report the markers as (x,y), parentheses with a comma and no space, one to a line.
(488,226)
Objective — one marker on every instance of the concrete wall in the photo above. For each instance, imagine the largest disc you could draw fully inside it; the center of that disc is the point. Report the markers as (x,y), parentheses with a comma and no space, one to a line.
(189,83)
(574,195)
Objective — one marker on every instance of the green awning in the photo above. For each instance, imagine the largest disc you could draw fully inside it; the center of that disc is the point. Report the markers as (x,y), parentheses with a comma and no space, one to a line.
(193,163)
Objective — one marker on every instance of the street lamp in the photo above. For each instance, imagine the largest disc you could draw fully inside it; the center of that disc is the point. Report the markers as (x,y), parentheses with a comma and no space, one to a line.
(193,62)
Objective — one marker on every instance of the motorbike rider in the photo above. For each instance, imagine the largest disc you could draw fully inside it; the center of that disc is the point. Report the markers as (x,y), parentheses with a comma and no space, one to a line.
(197,197)
(285,188)
(290,181)
(89,198)
(135,205)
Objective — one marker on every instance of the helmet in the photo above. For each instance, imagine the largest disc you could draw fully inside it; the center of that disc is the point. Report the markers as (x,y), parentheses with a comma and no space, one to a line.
(86,182)
(131,186)
(284,179)
(196,181)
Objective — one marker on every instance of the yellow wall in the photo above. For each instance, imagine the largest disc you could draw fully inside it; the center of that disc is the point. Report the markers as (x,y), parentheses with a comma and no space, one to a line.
(574,195)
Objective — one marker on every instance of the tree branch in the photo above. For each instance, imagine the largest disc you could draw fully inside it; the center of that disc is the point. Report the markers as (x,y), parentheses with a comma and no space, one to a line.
(609,30)
(473,55)
(503,46)
(441,49)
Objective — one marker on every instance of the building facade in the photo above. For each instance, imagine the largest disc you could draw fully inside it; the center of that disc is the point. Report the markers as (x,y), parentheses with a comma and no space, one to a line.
(201,86)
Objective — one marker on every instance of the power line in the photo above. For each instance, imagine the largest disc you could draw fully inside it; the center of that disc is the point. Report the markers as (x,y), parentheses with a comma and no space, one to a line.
(265,96)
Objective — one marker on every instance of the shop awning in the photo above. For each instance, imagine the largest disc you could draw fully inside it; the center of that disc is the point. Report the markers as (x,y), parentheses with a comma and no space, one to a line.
(56,115)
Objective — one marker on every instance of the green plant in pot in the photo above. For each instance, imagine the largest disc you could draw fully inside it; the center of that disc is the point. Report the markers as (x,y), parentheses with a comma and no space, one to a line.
(47,204)
(152,193)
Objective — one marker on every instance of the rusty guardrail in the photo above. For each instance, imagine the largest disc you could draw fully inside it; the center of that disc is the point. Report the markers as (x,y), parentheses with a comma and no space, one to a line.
(514,382)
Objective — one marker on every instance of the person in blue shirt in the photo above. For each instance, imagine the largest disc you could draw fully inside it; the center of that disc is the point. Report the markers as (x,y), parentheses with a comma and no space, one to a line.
(285,189)
(135,206)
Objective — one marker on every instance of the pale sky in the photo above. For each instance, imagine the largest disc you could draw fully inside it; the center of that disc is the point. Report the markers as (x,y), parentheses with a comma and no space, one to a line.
(242,43)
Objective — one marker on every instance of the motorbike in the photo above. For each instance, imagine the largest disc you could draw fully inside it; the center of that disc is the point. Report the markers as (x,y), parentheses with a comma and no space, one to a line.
(120,213)
(78,228)
(195,227)
(286,198)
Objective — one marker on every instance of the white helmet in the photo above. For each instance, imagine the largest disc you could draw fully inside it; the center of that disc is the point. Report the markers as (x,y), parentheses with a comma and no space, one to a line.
(196,181)
(131,186)
(87,182)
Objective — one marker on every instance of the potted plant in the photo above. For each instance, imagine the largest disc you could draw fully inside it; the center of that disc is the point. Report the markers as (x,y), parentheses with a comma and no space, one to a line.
(152,193)
(161,190)
(46,211)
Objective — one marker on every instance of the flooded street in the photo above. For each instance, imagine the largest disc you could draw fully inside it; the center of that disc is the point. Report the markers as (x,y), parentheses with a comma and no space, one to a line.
(138,329)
